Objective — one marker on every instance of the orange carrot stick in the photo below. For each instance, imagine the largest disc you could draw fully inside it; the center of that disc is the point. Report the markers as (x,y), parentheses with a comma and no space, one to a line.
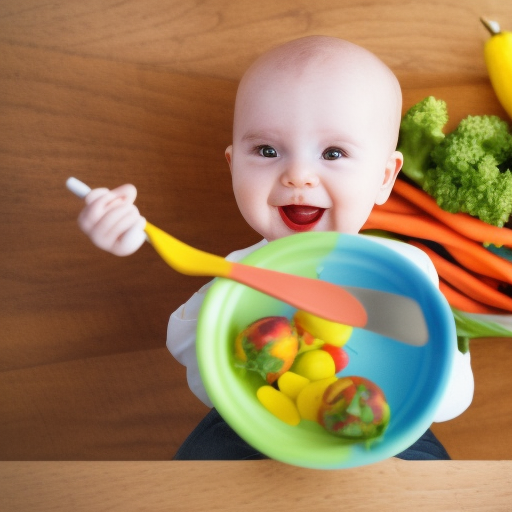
(461,222)
(460,301)
(465,282)
(398,204)
(495,268)
(426,227)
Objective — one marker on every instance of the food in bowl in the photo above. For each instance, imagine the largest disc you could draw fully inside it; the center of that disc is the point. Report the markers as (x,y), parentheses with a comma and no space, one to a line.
(355,409)
(267,346)
(352,408)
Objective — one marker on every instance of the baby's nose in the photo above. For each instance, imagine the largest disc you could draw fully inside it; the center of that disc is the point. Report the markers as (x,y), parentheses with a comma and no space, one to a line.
(299,176)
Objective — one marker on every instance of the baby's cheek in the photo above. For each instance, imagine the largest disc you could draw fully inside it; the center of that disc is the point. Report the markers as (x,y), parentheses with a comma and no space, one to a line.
(259,216)
(351,220)
(253,211)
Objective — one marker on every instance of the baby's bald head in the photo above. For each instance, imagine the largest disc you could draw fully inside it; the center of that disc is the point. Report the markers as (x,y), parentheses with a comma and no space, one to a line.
(355,69)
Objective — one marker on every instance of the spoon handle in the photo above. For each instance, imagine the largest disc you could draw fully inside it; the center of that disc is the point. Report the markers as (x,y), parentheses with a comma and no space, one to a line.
(184,258)
(318,297)
(79,188)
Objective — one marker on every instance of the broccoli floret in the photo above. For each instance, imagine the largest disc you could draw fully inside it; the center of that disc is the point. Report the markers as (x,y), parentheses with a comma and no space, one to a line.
(471,170)
(421,130)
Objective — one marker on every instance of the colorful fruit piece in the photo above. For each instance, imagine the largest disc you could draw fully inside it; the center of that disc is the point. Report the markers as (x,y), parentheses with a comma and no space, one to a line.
(279,404)
(314,365)
(354,408)
(267,346)
(330,332)
(291,384)
(310,398)
(307,341)
(339,356)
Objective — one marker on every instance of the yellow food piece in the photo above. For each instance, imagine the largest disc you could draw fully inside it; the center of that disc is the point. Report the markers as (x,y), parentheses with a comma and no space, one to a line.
(498,58)
(330,332)
(315,365)
(307,343)
(310,398)
(291,384)
(278,404)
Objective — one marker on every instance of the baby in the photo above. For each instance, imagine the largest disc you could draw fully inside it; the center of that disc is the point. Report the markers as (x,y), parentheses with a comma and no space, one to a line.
(315,130)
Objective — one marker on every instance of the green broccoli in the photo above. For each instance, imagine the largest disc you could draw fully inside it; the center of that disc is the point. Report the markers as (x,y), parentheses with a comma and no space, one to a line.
(421,130)
(470,171)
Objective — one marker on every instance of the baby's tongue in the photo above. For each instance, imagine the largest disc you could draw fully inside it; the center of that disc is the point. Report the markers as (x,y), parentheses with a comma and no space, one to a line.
(301,214)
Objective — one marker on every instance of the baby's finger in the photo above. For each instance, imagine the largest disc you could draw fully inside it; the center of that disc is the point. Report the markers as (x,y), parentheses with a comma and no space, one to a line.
(97,204)
(95,194)
(113,224)
(101,201)
(120,220)
(127,192)
(107,198)
(131,240)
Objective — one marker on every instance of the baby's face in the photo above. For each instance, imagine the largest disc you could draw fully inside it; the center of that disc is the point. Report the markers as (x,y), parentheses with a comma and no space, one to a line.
(312,150)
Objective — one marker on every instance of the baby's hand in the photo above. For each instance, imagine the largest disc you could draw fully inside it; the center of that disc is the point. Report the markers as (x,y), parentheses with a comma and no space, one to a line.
(112,221)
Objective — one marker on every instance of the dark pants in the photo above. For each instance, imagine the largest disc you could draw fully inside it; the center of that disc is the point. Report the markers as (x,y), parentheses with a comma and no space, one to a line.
(213,439)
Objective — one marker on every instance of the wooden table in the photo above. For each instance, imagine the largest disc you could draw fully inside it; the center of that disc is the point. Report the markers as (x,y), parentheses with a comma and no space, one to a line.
(392,485)
(143,92)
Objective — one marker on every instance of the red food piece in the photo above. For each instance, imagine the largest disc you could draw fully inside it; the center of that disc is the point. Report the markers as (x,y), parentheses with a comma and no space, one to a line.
(338,354)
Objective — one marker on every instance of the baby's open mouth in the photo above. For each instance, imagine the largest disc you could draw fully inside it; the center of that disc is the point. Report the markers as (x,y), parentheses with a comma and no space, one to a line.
(300,217)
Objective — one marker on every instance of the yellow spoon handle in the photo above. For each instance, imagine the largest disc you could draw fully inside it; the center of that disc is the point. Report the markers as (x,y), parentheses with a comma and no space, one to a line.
(318,297)
(184,258)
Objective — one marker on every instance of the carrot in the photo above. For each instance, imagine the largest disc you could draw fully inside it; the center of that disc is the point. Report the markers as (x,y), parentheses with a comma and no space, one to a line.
(490,281)
(465,282)
(495,267)
(398,204)
(475,256)
(460,301)
(461,222)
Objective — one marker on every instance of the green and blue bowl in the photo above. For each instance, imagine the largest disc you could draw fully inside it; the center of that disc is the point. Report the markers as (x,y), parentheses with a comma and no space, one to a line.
(412,378)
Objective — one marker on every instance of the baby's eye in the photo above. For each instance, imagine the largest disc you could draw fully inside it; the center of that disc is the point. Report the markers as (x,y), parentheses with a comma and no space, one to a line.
(332,154)
(267,151)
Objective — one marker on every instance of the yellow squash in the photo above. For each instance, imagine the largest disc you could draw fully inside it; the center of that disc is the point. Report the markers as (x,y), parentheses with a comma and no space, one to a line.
(498,58)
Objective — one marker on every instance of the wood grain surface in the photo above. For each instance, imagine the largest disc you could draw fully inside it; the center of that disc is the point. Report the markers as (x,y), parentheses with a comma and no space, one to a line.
(389,486)
(142,92)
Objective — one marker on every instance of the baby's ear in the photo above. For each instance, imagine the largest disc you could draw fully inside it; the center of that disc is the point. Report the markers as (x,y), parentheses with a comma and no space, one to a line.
(229,155)
(393,167)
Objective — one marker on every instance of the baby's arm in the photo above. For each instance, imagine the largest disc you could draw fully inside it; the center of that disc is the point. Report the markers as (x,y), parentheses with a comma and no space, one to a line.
(112,221)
